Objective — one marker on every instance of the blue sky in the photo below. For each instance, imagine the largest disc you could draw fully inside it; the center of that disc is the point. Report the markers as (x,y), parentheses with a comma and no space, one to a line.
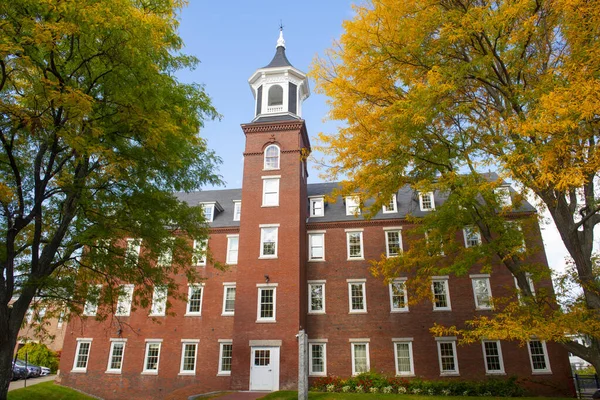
(232,40)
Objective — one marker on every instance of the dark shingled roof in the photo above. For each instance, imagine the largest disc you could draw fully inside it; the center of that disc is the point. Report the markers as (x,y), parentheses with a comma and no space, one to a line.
(276,118)
(407,203)
(279,60)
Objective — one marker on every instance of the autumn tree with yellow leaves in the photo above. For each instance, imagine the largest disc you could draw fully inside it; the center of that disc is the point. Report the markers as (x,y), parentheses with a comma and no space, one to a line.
(432,93)
(96,134)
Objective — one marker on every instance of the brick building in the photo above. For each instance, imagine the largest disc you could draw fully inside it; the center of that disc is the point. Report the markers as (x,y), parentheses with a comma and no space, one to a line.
(299,262)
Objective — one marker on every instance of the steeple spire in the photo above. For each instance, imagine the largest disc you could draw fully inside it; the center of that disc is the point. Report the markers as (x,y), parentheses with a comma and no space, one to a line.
(280,41)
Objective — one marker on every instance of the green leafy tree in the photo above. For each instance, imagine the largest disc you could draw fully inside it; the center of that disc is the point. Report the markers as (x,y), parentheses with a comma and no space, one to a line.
(432,93)
(39,354)
(96,134)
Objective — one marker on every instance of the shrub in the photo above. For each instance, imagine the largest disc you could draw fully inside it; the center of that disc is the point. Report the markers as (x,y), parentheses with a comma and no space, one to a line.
(39,354)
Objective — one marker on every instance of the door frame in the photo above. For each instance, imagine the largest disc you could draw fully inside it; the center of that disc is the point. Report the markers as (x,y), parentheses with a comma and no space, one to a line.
(274,362)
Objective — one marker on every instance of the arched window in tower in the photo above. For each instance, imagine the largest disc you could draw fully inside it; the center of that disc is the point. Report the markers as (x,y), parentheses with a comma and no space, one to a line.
(272,157)
(275,103)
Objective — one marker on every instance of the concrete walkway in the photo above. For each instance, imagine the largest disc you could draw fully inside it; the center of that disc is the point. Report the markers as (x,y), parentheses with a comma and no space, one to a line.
(30,382)
(238,396)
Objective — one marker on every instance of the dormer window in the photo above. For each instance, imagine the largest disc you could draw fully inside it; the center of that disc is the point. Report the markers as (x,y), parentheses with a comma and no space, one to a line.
(237,210)
(209,209)
(352,205)
(317,206)
(390,207)
(272,157)
(503,196)
(426,202)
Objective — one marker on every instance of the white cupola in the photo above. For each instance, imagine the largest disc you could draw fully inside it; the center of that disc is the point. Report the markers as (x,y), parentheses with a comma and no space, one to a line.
(278,88)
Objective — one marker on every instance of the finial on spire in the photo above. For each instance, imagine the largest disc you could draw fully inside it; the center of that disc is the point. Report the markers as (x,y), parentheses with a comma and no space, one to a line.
(280,41)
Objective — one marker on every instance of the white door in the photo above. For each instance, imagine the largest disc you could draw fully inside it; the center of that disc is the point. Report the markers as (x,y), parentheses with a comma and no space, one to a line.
(264,368)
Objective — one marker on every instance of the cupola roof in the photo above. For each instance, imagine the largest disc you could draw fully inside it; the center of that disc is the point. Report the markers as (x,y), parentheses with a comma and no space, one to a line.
(279,60)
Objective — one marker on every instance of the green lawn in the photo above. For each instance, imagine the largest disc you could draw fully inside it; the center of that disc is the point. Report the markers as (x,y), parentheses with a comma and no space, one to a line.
(47,391)
(290,395)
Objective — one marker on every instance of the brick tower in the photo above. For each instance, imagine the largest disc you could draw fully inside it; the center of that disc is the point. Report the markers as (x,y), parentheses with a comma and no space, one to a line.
(271,291)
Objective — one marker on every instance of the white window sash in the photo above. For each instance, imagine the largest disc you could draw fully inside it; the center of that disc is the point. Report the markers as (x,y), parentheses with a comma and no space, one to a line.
(232,249)
(411,372)
(86,343)
(237,210)
(499,355)
(387,243)
(199,252)
(391,290)
(226,290)
(548,369)
(323,347)
(393,203)
(147,357)
(310,298)
(455,371)
(352,205)
(111,355)
(273,317)
(191,289)
(446,293)
(268,235)
(423,206)
(317,211)
(270,192)
(362,285)
(368,363)
(159,301)
(184,346)
(221,357)
(312,238)
(124,301)
(361,256)
(488,289)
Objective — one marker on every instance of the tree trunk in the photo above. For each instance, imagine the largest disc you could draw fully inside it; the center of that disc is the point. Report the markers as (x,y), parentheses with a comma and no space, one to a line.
(9,330)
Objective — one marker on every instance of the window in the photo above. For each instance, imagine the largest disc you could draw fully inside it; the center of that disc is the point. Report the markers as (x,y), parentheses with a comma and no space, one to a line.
(391,206)
(441,295)
(492,353)
(115,357)
(435,244)
(529,281)
(503,196)
(266,303)
(225,356)
(317,358)
(270,191)
(519,241)
(404,356)
(152,356)
(393,242)
(398,296)
(132,251)
(124,302)
(352,205)
(275,96)
(237,210)
(355,244)
(59,321)
(194,304)
(272,157)
(208,210)
(199,252)
(232,249)
(316,297)
(189,351)
(82,355)
(447,356)
(426,202)
(228,298)
(360,356)
(166,256)
(159,301)
(472,236)
(538,356)
(357,298)
(482,292)
(91,305)
(268,241)
(316,246)
(317,206)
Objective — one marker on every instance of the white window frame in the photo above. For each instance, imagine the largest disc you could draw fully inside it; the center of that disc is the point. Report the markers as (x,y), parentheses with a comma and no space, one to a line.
(237,210)
(363,284)
(394,202)
(150,342)
(310,285)
(123,308)
(353,344)
(323,344)
(519,227)
(227,286)
(391,289)
(486,278)
(267,167)
(548,369)
(261,287)
(398,230)
(504,196)
(208,208)
(165,258)
(81,341)
(529,281)
(467,231)
(222,344)
(349,232)
(432,199)
(114,342)
(191,287)
(159,301)
(230,258)
(199,250)
(408,341)
(274,193)
(132,250)
(184,344)
(90,307)
(445,280)
(451,340)
(352,203)
(500,357)
(311,235)
(317,212)
(263,228)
